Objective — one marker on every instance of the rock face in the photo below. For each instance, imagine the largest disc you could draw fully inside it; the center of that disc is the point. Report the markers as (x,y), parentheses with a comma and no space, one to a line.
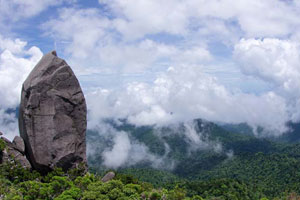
(12,153)
(52,117)
(19,144)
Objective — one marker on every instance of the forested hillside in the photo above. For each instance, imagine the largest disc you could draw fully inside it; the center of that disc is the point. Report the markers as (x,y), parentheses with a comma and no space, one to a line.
(17,183)
(263,167)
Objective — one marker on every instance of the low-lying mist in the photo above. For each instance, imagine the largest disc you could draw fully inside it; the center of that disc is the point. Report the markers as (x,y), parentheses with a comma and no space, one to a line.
(119,144)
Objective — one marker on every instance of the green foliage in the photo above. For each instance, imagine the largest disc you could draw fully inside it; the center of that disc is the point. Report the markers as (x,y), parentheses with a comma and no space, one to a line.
(50,175)
(126,178)
(197,197)
(60,183)
(131,189)
(78,171)
(5,185)
(73,193)
(16,174)
(155,195)
(156,177)
(177,193)
(221,188)
(32,190)
(2,145)
(84,181)
(63,186)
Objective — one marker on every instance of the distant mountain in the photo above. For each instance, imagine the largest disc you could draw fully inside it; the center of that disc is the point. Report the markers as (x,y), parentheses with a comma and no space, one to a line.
(293,135)
(173,140)
(210,145)
(241,128)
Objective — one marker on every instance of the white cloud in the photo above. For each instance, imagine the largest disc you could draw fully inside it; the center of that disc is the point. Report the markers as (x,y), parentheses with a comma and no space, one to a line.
(186,93)
(92,40)
(13,10)
(136,19)
(135,57)
(79,33)
(82,29)
(196,138)
(14,46)
(126,36)
(126,152)
(256,18)
(119,153)
(274,61)
(194,55)
(8,124)
(16,62)
(14,68)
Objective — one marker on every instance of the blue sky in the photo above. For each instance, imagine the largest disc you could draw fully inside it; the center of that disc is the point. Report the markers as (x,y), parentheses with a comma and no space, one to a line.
(221,60)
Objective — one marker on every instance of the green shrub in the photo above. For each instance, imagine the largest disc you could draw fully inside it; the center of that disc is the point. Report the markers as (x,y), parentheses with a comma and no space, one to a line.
(197,197)
(2,145)
(83,181)
(56,172)
(176,194)
(155,195)
(73,193)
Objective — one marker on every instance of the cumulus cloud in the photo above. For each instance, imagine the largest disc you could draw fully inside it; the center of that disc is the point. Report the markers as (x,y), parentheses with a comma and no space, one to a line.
(186,93)
(274,61)
(130,37)
(14,68)
(24,8)
(93,40)
(16,62)
(148,17)
(135,20)
(82,29)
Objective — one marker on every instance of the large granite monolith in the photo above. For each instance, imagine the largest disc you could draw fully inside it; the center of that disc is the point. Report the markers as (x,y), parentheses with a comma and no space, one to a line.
(52,117)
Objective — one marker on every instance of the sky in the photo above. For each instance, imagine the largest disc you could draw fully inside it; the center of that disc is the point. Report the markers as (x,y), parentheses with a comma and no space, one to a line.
(161,61)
